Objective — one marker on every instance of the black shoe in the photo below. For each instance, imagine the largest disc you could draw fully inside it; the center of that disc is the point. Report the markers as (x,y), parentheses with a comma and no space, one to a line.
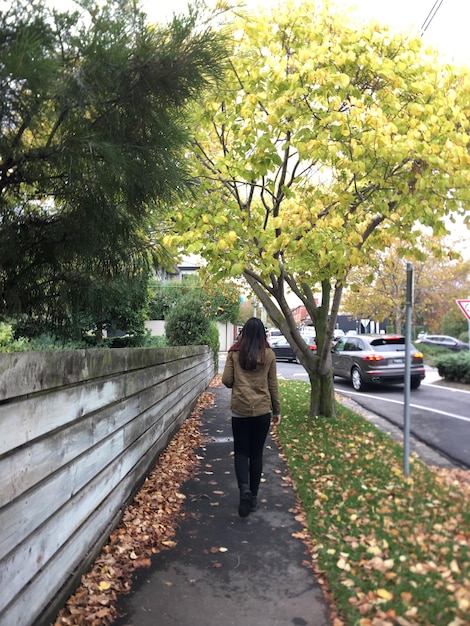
(245,501)
(254,504)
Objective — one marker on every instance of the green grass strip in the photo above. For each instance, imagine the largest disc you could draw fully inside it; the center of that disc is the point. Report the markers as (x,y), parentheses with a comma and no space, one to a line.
(392,548)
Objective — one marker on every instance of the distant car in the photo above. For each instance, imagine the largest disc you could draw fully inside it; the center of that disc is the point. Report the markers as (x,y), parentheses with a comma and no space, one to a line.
(375,359)
(443,341)
(273,334)
(337,335)
(284,352)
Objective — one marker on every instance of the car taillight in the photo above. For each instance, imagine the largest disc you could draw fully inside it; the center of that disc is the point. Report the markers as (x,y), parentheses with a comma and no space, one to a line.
(418,355)
(373,357)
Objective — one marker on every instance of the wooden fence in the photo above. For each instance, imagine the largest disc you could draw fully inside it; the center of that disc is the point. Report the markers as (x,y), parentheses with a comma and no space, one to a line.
(79,432)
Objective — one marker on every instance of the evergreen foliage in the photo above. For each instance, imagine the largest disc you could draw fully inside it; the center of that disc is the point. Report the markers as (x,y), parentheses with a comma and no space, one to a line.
(454,367)
(187,323)
(93,108)
(221,300)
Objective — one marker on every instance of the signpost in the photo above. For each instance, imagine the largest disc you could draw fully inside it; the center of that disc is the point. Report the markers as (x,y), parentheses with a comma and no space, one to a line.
(465,306)
(407,415)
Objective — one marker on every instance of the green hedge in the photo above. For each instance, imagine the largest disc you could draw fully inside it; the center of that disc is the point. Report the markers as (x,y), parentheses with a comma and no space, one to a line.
(454,366)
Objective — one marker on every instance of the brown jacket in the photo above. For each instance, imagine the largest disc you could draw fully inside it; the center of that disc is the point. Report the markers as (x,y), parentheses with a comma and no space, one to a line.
(254,392)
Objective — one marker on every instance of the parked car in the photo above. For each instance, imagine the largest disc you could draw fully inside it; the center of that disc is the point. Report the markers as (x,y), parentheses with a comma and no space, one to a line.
(443,341)
(375,359)
(284,352)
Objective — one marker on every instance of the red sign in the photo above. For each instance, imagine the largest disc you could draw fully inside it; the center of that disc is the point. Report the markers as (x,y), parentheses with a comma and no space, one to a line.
(465,306)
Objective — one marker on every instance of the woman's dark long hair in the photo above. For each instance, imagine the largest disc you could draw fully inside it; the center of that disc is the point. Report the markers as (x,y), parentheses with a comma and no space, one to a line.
(252,344)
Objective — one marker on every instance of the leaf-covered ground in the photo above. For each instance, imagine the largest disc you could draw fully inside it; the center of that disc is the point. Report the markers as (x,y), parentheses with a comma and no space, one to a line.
(148,526)
(388,549)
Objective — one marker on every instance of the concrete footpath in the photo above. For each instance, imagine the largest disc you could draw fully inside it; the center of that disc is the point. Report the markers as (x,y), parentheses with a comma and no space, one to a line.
(225,570)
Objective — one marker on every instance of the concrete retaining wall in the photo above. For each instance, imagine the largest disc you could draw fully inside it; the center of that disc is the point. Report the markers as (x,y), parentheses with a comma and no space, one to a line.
(79,431)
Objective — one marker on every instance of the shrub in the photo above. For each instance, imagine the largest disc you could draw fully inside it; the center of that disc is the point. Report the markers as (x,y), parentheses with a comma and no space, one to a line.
(154,341)
(454,366)
(432,353)
(213,341)
(187,324)
(8,343)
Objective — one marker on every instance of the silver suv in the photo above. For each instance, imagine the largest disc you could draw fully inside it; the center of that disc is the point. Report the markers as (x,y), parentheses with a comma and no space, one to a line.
(374,360)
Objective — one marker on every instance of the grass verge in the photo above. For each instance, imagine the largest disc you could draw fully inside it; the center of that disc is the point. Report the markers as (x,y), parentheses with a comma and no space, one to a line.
(393,549)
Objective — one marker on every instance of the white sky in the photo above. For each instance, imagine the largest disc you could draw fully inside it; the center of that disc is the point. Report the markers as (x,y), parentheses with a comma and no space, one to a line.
(448,31)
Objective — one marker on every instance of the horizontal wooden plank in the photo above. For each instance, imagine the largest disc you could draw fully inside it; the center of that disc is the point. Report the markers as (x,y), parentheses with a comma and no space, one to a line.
(31,418)
(30,607)
(66,485)
(30,463)
(21,518)
(23,373)
(20,565)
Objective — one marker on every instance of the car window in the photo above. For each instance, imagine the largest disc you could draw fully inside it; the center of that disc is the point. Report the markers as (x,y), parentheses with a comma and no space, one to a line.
(389,344)
(351,344)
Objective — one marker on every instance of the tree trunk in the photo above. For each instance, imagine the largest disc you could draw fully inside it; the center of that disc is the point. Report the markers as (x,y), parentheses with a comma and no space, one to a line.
(322,397)
(318,366)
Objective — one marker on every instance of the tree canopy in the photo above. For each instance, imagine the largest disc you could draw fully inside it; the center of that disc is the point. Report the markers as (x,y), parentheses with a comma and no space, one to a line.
(327,140)
(377,290)
(219,301)
(93,114)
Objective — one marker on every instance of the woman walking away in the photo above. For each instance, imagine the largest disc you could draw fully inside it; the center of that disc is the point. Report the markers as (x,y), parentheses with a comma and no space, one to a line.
(250,372)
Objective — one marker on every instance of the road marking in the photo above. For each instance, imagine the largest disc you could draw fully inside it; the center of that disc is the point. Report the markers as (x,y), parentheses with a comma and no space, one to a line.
(414,406)
(453,389)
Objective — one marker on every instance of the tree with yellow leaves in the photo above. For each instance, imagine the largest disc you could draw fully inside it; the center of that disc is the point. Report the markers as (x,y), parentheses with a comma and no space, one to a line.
(378,290)
(326,141)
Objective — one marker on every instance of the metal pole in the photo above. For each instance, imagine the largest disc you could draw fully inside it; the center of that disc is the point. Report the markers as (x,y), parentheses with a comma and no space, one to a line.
(406,418)
(468,332)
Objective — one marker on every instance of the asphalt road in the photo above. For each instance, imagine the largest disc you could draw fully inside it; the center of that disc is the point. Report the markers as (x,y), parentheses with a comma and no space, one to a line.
(439,414)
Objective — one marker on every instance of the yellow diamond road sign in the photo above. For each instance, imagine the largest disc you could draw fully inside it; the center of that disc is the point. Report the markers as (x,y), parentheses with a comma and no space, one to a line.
(465,306)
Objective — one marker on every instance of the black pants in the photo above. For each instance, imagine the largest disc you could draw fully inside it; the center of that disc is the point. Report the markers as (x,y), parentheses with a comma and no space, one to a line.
(249,435)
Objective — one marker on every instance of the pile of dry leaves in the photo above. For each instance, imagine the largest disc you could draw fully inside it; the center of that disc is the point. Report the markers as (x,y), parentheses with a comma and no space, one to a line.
(456,477)
(148,526)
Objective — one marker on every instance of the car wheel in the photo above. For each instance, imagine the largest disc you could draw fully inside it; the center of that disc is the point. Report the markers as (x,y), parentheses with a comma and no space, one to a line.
(357,380)
(415,383)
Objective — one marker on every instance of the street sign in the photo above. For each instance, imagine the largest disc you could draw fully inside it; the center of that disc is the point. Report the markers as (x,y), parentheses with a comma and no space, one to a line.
(465,306)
